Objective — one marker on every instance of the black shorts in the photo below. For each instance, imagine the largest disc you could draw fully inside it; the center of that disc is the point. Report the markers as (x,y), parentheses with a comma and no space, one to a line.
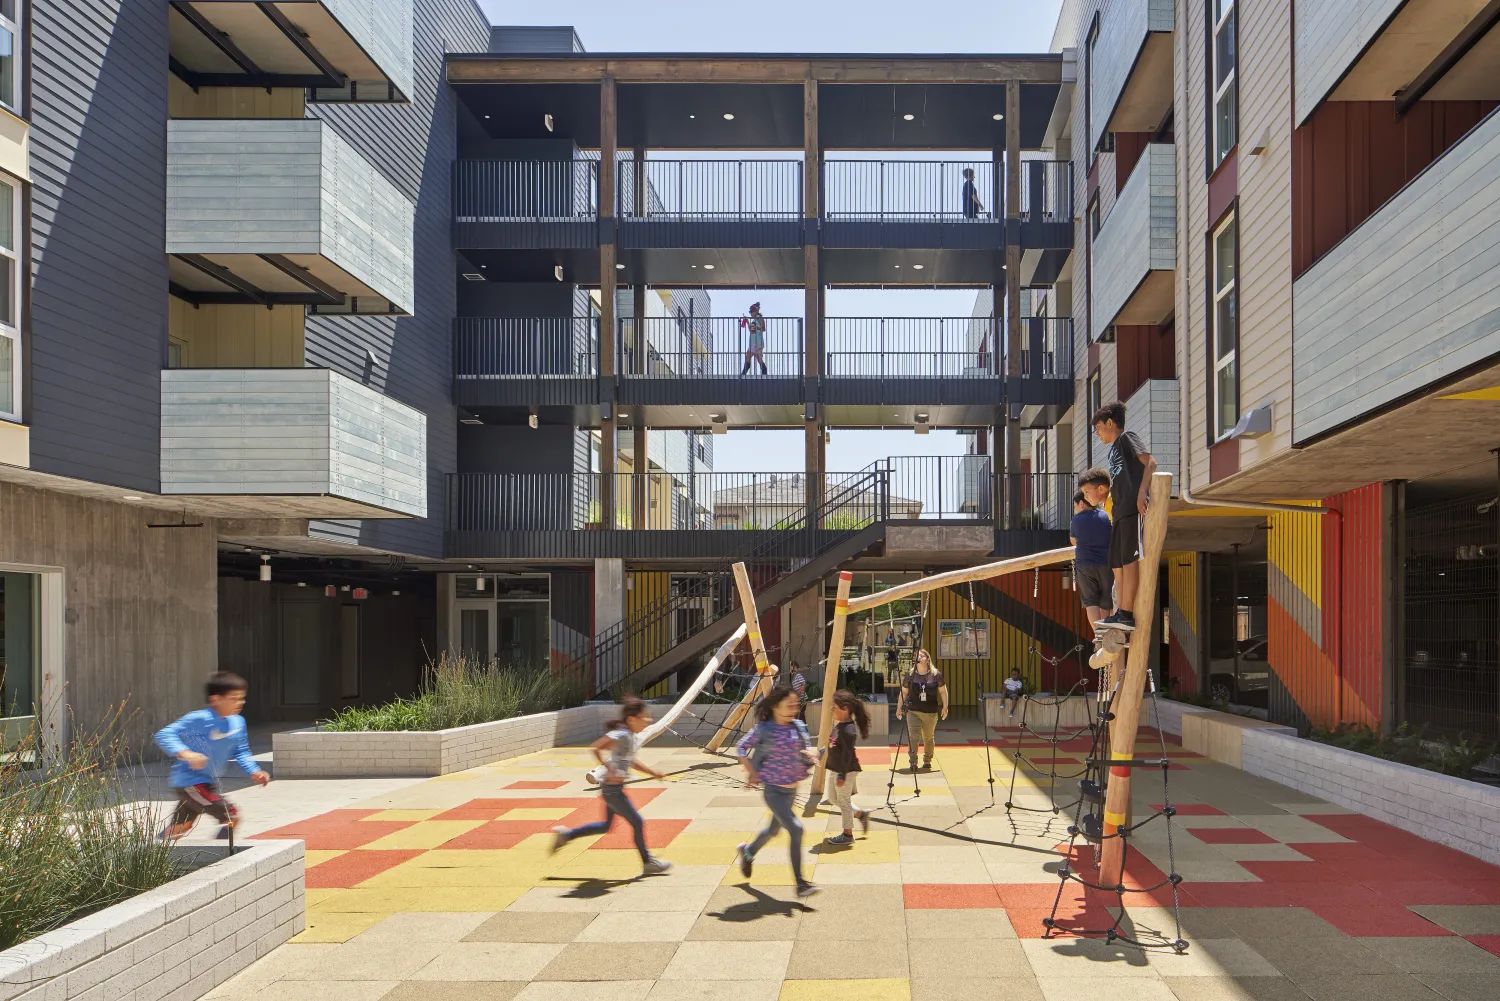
(1096,585)
(1125,541)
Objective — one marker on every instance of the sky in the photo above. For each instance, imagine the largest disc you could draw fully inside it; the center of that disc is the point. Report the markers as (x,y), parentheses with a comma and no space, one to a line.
(825,26)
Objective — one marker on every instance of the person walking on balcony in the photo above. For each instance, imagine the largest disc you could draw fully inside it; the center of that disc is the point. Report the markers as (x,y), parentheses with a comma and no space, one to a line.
(925,696)
(1089,533)
(973,207)
(755,350)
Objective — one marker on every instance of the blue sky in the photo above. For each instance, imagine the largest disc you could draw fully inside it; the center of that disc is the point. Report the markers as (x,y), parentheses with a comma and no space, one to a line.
(808,26)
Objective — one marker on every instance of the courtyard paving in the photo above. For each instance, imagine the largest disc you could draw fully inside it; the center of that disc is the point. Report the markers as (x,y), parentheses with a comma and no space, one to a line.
(446,888)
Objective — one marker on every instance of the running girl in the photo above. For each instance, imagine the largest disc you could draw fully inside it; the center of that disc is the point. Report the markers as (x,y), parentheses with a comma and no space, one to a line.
(778,753)
(851,721)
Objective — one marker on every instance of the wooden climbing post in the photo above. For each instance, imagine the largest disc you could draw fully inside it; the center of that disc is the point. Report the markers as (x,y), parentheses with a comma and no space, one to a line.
(1126,706)
(831,675)
(765,671)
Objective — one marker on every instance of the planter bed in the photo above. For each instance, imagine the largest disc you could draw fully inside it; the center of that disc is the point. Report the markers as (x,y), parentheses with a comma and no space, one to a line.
(180,940)
(321,754)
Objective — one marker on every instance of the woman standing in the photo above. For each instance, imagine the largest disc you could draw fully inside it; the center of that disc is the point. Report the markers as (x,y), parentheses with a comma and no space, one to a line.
(779,753)
(925,695)
(755,325)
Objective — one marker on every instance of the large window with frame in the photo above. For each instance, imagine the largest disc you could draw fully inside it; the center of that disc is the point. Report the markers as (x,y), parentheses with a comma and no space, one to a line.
(1225,323)
(1224,53)
(10,298)
(10,54)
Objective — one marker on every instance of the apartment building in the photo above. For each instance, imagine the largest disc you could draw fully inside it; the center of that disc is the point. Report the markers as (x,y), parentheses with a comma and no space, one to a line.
(1283,270)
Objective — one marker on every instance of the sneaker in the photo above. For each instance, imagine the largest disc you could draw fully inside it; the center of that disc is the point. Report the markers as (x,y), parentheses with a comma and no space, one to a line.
(841,840)
(655,867)
(746,862)
(560,838)
(864,821)
(927,765)
(1119,620)
(805,890)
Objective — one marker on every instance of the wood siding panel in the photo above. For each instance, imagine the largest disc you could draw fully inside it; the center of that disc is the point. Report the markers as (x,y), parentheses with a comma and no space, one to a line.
(1330,35)
(1191,319)
(1154,413)
(1138,237)
(383,28)
(1123,28)
(217,336)
(98,275)
(1409,298)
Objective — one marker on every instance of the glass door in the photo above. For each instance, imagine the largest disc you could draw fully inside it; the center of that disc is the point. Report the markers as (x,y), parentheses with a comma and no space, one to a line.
(20,663)
(476,630)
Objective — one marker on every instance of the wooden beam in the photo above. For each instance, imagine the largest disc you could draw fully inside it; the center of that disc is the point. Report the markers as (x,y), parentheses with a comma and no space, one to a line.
(765,671)
(831,676)
(755,68)
(985,571)
(640,478)
(608,324)
(1012,469)
(1125,707)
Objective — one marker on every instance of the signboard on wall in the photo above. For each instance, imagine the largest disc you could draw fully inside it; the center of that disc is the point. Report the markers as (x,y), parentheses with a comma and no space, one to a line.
(963,639)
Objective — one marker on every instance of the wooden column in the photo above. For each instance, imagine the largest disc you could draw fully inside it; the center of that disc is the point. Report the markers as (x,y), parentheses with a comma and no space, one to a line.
(812,310)
(640,480)
(608,332)
(1013,295)
(765,671)
(1126,705)
(831,676)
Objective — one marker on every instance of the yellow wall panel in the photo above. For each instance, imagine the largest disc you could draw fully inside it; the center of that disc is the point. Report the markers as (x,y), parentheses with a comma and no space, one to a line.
(237,336)
(233,102)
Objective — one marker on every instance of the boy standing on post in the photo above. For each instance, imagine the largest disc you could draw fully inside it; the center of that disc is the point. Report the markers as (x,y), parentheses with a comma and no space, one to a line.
(1130,469)
(203,742)
(1089,533)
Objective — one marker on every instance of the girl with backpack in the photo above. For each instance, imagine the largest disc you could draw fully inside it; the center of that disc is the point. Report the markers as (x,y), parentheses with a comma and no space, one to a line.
(778,754)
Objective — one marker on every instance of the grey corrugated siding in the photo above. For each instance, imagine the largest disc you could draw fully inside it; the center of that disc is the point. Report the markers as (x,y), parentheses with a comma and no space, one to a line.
(413,146)
(99,267)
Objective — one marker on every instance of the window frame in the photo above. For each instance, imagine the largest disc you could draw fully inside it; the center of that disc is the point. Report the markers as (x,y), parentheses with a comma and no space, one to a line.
(1040,467)
(1217,294)
(17,28)
(10,326)
(1218,91)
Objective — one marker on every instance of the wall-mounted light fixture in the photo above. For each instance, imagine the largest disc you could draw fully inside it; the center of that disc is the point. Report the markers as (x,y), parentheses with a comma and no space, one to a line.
(265,568)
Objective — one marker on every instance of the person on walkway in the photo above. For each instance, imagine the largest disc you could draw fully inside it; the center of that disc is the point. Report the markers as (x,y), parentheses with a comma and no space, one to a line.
(973,207)
(755,349)
(203,742)
(622,743)
(798,682)
(1130,471)
(777,753)
(925,695)
(1014,688)
(851,721)
(1089,533)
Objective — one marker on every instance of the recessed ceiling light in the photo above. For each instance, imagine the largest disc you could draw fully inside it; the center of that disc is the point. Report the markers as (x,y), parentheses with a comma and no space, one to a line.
(908,117)
(483,266)
(619,267)
(898,265)
(708,267)
(486,116)
(918,267)
(998,117)
(728,117)
(692,116)
(132,497)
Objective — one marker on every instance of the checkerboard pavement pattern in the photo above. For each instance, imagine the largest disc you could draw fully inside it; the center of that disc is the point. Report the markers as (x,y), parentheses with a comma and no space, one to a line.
(447,889)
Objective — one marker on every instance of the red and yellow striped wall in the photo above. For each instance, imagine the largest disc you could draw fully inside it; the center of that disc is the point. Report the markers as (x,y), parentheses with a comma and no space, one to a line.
(1326,611)
(1184,661)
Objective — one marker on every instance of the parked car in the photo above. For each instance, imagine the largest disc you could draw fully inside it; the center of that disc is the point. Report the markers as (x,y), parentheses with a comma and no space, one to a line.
(1251,686)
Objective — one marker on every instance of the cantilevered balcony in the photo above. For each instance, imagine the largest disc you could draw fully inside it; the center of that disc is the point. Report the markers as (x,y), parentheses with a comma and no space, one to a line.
(290,443)
(340,50)
(1135,253)
(273,211)
(1132,68)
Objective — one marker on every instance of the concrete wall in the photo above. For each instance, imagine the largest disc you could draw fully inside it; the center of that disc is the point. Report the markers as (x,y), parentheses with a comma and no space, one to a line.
(140,602)
(177,941)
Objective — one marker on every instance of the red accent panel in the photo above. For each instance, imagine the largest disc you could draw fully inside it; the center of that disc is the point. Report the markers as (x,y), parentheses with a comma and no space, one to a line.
(1223,460)
(355,867)
(1353,585)
(1180,669)
(1128,149)
(1223,187)
(1143,352)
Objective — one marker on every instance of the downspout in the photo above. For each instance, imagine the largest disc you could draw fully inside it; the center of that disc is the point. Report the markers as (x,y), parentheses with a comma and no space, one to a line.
(1185,396)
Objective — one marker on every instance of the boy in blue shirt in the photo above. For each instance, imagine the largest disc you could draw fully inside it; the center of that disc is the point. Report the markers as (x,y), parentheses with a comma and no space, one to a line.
(1089,533)
(203,742)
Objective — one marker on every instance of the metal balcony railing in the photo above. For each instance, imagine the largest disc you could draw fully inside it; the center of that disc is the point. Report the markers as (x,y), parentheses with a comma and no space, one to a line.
(1046,191)
(712,347)
(1047,347)
(488,347)
(711,190)
(910,190)
(946,487)
(1036,500)
(906,347)
(529,190)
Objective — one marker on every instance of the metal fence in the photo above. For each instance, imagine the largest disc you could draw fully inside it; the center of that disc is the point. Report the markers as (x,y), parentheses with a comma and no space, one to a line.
(939,486)
(713,347)
(488,347)
(1047,347)
(532,190)
(910,190)
(1046,191)
(712,189)
(909,347)
(1036,501)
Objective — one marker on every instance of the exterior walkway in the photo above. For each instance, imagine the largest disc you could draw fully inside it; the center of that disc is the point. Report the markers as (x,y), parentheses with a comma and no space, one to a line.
(445,888)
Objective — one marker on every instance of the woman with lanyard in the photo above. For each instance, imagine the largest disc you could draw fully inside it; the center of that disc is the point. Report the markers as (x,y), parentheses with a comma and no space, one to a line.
(755,324)
(925,696)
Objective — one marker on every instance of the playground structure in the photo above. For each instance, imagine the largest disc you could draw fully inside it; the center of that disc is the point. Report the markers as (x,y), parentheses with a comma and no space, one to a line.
(1123,682)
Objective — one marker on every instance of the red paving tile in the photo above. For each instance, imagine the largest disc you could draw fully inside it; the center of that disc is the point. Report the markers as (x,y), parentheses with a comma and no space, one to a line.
(1338,852)
(1231,836)
(323,821)
(1389,921)
(1233,895)
(338,837)
(497,835)
(531,784)
(1294,872)
(927,896)
(1489,943)
(1487,890)
(1347,895)
(1192,809)
(355,867)
(1409,893)
(659,834)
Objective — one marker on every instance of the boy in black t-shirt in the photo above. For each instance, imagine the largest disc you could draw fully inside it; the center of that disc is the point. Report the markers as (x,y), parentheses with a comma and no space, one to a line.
(1130,469)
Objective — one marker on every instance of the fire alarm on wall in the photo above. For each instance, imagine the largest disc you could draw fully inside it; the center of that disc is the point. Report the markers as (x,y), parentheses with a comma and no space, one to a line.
(360,594)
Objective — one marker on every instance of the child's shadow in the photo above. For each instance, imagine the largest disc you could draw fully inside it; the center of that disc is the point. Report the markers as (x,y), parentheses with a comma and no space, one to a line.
(763,905)
(591,889)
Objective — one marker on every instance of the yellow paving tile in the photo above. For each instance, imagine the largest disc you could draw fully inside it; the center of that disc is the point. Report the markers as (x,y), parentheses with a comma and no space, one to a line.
(317,856)
(319,894)
(402,815)
(537,813)
(337,926)
(877,848)
(427,834)
(894,989)
(713,839)
(389,900)
(409,875)
(769,875)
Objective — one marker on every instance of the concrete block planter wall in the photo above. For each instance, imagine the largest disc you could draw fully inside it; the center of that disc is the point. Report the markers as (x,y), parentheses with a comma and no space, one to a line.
(180,940)
(321,754)
(1451,811)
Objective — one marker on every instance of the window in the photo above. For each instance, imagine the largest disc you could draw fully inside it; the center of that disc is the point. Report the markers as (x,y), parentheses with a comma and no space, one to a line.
(1224,51)
(1094,220)
(10,298)
(1225,324)
(1039,465)
(1095,401)
(10,54)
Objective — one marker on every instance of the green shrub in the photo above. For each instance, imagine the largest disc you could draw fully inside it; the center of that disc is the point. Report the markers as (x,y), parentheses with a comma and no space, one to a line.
(1438,753)
(460,691)
(71,840)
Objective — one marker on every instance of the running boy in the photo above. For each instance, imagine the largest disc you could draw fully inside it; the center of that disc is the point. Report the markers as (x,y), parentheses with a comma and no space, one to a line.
(203,742)
(1089,533)
(1130,469)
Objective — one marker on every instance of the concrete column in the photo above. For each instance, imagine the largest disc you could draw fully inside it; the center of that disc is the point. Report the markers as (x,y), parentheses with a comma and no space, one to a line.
(608,332)
(801,630)
(1013,293)
(447,613)
(640,480)
(609,612)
